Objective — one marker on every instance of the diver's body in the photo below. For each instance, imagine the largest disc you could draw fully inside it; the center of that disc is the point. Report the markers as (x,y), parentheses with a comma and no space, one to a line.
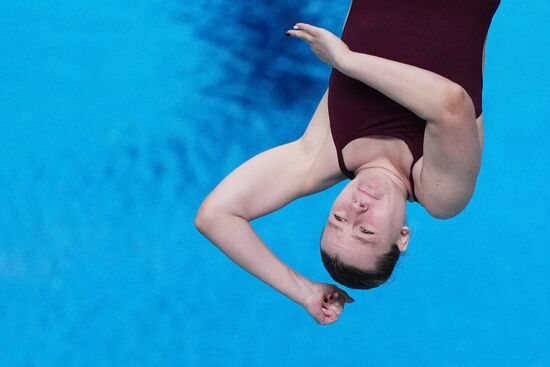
(368,215)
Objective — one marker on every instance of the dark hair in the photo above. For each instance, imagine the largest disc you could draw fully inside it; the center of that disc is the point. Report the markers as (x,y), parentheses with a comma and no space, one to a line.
(356,278)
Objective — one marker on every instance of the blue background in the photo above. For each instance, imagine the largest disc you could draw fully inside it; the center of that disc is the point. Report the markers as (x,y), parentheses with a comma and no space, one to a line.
(119,117)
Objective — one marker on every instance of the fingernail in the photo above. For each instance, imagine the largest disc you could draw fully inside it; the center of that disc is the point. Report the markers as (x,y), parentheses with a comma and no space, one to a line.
(296,27)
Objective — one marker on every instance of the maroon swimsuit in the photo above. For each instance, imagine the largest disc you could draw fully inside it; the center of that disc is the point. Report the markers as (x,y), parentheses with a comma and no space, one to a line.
(443,36)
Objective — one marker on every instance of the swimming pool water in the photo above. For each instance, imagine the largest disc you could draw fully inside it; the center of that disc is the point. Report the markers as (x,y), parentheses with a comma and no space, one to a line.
(119,117)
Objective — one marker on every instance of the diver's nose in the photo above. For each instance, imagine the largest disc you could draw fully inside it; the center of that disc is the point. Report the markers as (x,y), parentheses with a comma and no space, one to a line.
(359,204)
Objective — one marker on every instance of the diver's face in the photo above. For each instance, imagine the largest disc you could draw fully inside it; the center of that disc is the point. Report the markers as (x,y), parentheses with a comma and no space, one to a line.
(365,220)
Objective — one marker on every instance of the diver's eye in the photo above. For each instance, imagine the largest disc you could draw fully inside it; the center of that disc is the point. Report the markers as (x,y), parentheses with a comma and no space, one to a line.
(365,231)
(339,219)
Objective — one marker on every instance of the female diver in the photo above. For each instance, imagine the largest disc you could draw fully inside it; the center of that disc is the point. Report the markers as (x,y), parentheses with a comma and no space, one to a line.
(401,118)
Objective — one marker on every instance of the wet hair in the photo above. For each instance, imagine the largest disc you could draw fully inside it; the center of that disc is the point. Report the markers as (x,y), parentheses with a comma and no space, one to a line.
(355,278)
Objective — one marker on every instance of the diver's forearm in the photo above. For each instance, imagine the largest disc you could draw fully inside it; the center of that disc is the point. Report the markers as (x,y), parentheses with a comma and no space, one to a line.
(421,91)
(235,237)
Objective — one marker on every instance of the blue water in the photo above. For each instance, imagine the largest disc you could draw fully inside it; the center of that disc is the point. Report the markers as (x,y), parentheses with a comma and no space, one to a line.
(119,117)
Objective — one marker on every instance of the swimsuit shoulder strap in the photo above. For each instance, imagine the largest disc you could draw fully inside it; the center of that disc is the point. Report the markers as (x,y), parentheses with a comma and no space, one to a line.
(411,179)
(342,164)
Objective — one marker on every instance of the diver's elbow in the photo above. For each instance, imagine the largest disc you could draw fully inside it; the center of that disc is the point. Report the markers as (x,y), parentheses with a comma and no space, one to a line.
(206,215)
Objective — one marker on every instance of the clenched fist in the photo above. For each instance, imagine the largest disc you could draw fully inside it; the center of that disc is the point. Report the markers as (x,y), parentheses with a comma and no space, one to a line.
(325,302)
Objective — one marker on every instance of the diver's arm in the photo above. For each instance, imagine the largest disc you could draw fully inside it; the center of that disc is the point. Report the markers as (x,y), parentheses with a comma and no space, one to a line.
(235,237)
(452,146)
(261,185)
(427,94)
(452,161)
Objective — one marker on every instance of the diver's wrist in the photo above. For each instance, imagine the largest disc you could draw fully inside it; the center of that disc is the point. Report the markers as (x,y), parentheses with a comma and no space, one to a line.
(342,62)
(305,286)
(299,286)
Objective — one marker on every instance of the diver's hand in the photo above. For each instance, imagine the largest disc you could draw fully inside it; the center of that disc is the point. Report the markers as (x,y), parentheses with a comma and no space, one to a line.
(326,45)
(325,302)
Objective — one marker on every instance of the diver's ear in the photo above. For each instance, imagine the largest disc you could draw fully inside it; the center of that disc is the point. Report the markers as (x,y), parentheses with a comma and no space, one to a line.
(404,237)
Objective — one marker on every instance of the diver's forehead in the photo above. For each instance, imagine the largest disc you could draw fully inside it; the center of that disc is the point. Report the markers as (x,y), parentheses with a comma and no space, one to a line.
(358,255)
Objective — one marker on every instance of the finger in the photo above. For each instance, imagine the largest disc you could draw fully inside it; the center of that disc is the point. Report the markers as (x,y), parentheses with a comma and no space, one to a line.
(344,296)
(348,298)
(338,297)
(314,31)
(298,33)
(334,308)
(325,317)
(330,320)
(335,314)
(330,317)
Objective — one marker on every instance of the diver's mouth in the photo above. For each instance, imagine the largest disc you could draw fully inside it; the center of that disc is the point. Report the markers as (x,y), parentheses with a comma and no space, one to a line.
(368,191)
